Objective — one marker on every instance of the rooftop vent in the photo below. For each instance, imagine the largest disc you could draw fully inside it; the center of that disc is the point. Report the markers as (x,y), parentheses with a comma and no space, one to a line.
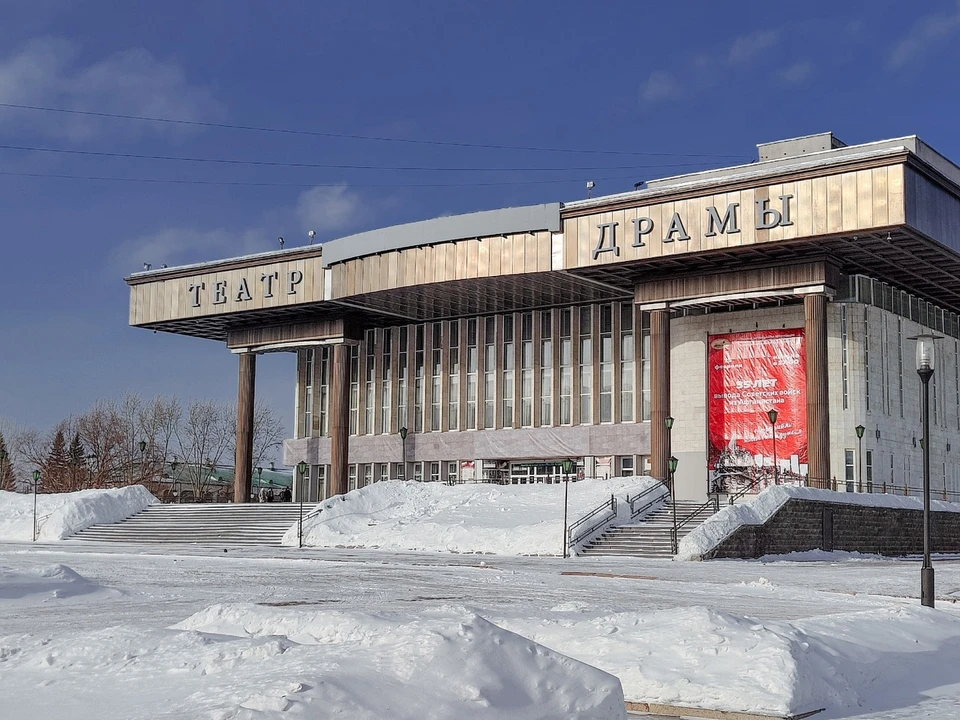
(796,147)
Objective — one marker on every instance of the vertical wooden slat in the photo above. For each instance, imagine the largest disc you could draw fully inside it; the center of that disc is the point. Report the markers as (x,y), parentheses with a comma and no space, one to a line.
(818,406)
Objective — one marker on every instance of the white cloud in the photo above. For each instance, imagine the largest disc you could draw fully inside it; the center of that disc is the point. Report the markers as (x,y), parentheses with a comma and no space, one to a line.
(746,47)
(184,245)
(661,85)
(326,209)
(796,74)
(929,31)
(45,72)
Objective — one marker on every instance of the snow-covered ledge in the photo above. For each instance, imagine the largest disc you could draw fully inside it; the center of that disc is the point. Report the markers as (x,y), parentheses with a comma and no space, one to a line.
(714,531)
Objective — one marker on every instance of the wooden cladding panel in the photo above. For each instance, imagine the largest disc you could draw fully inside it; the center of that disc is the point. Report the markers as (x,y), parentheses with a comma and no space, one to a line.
(845,202)
(293,332)
(932,210)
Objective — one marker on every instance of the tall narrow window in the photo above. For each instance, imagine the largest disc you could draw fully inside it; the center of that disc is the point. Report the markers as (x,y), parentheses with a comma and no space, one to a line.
(489,371)
(586,365)
(546,368)
(453,377)
(369,384)
(848,469)
(869,471)
(866,359)
(354,389)
(526,369)
(645,366)
(626,362)
(436,370)
(900,361)
(508,370)
(324,386)
(566,366)
(403,339)
(307,426)
(843,354)
(884,363)
(471,374)
(419,387)
(956,377)
(385,381)
(606,363)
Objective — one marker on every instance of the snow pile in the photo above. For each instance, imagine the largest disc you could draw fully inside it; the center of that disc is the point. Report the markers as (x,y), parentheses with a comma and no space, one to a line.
(64,514)
(474,518)
(56,582)
(247,661)
(731,518)
(697,657)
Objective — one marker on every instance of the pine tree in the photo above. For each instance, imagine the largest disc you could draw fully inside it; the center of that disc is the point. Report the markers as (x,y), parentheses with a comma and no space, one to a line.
(55,474)
(6,471)
(77,463)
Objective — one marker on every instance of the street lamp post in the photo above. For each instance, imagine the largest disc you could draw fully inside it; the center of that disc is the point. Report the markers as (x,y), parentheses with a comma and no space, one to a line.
(672,467)
(143,447)
(567,467)
(668,424)
(36,482)
(302,469)
(772,416)
(860,429)
(403,451)
(925,368)
(175,479)
(259,481)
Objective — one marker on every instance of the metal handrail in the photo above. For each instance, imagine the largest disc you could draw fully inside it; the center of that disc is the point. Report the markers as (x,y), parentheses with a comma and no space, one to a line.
(609,506)
(677,524)
(664,492)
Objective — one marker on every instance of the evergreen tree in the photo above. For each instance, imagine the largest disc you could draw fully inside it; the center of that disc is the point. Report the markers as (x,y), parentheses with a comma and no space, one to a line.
(77,462)
(6,470)
(55,474)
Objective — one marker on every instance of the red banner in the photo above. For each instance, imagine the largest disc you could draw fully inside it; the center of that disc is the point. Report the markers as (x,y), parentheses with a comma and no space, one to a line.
(750,374)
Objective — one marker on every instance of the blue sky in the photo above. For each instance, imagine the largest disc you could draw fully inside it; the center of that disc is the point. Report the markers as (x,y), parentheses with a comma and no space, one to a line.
(669,87)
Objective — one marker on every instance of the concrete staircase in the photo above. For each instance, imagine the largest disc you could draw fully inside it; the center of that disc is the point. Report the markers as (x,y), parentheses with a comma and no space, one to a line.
(253,524)
(651,537)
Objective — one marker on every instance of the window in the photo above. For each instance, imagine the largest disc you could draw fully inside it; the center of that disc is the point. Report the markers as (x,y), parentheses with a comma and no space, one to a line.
(546,368)
(869,471)
(369,384)
(843,355)
(418,472)
(436,371)
(398,471)
(324,388)
(566,367)
(453,473)
(586,366)
(606,363)
(508,370)
(866,360)
(526,369)
(453,378)
(419,388)
(626,363)
(625,465)
(306,429)
(385,382)
(884,363)
(383,472)
(435,472)
(403,378)
(848,469)
(471,374)
(489,371)
(354,389)
(367,474)
(351,477)
(900,361)
(645,366)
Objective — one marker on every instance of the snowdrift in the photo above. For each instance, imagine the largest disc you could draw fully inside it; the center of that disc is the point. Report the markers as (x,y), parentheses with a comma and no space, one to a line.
(472,518)
(61,515)
(53,583)
(723,524)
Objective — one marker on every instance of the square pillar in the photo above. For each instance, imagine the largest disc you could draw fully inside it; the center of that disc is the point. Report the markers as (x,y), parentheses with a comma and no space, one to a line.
(818,391)
(659,392)
(243,463)
(339,419)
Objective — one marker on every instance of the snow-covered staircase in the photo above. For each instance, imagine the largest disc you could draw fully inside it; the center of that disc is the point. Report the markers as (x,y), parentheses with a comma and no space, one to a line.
(649,538)
(254,524)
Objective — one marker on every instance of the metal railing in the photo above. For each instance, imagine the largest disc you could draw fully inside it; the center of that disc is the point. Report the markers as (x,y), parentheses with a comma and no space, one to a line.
(713,502)
(592,521)
(662,490)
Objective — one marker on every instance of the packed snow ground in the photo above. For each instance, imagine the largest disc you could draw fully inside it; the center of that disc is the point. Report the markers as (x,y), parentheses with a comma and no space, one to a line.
(264,637)
(471,518)
(61,515)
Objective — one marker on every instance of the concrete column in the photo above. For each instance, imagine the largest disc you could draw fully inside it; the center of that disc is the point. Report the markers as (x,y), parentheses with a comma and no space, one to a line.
(339,418)
(818,405)
(246,392)
(659,392)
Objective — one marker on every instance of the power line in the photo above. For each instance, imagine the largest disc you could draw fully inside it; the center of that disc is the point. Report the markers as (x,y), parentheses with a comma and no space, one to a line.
(177,181)
(325,166)
(347,136)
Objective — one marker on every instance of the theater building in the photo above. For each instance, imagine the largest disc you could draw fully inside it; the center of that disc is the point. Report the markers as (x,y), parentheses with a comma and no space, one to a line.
(498,344)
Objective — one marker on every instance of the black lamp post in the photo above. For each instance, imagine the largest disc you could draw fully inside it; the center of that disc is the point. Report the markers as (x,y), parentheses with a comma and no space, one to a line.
(860,429)
(668,424)
(925,367)
(403,451)
(672,467)
(772,417)
(36,483)
(567,467)
(143,448)
(259,480)
(302,469)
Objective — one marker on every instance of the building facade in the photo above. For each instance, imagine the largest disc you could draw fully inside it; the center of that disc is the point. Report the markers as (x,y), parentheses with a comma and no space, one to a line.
(617,331)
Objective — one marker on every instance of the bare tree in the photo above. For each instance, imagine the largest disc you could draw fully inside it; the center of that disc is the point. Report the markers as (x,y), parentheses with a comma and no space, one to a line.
(268,432)
(204,437)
